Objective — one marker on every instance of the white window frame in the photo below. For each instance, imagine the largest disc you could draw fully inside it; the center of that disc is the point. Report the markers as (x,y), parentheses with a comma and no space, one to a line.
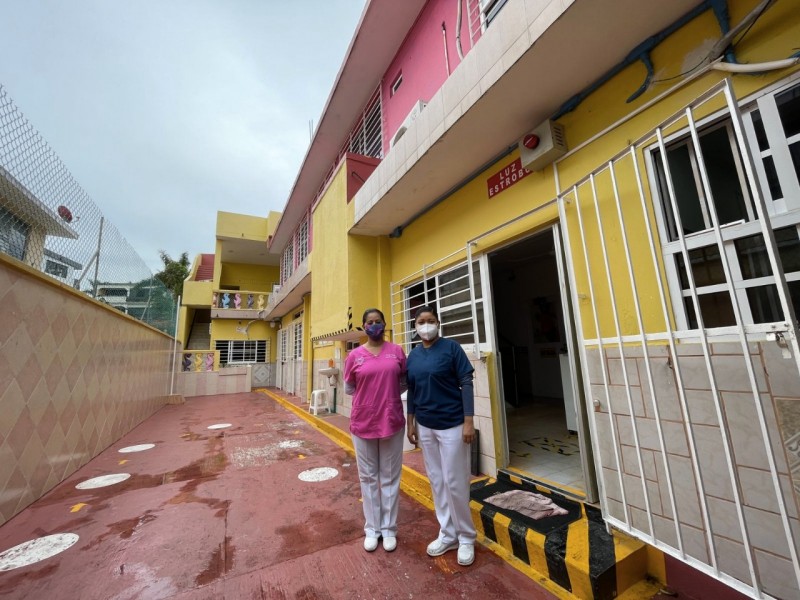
(242,352)
(783,212)
(430,293)
(302,241)
(14,234)
(297,350)
(489,10)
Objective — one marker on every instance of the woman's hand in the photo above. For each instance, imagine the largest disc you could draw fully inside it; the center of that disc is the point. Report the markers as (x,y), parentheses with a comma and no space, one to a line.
(411,432)
(469,430)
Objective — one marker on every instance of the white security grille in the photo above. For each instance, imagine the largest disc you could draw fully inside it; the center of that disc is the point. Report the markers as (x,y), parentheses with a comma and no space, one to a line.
(455,293)
(298,340)
(301,238)
(366,137)
(242,351)
(683,421)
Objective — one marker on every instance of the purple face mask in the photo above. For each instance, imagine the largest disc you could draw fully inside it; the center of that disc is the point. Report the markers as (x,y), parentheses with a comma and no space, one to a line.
(375,331)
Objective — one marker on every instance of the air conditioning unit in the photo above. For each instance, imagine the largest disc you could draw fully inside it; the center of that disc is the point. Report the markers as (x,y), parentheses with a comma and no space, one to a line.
(412,116)
(542,146)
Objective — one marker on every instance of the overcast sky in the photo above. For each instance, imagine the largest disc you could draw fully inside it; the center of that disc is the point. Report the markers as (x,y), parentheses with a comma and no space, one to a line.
(166,111)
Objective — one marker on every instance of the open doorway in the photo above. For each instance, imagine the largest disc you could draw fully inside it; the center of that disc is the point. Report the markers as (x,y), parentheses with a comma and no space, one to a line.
(541,413)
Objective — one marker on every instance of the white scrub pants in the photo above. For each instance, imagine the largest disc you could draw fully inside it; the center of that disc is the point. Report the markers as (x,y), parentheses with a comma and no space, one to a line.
(447,462)
(380,462)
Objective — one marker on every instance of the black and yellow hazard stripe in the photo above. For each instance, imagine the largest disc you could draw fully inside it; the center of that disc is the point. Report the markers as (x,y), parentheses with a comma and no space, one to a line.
(581,557)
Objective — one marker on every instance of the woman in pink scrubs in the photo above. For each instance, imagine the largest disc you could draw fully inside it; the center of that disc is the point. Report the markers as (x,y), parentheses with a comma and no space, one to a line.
(374,374)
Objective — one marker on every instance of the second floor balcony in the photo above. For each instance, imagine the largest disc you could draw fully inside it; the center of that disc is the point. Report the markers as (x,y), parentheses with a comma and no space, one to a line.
(238,304)
(290,293)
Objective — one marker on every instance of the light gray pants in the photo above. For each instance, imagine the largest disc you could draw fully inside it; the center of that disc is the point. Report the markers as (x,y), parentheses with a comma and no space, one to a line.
(380,463)
(447,465)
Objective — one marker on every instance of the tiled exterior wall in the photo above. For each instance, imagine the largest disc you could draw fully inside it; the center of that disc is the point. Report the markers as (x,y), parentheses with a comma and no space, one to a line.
(75,376)
(300,378)
(230,380)
(343,402)
(779,388)
(483,418)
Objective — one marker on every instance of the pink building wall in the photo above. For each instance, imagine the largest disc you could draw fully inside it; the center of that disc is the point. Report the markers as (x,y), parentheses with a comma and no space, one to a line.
(421,59)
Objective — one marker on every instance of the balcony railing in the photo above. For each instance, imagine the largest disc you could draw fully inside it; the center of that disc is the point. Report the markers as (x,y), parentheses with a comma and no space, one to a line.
(238,304)
(200,361)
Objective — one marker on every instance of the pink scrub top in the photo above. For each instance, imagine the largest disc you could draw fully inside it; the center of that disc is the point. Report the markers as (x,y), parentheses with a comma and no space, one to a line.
(377,409)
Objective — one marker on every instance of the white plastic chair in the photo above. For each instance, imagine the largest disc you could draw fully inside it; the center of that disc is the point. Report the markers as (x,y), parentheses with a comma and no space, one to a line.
(319,400)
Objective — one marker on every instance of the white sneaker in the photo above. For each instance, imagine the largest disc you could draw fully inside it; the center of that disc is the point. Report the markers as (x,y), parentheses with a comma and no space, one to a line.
(370,543)
(466,554)
(389,543)
(437,547)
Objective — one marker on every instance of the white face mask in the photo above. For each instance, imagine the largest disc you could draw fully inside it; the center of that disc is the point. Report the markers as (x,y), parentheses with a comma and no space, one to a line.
(427,331)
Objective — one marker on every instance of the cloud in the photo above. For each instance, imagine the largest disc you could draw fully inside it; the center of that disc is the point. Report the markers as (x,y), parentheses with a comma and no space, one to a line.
(167,111)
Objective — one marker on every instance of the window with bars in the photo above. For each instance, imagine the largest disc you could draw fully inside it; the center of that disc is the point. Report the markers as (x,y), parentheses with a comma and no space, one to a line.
(298,340)
(241,351)
(287,262)
(296,250)
(772,128)
(283,341)
(449,293)
(366,137)
(14,234)
(302,241)
(489,10)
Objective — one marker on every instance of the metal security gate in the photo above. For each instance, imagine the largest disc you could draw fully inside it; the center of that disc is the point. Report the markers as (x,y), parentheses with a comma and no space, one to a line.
(688,335)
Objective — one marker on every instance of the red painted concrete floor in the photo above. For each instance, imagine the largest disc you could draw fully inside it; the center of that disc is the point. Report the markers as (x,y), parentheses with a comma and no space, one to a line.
(222,514)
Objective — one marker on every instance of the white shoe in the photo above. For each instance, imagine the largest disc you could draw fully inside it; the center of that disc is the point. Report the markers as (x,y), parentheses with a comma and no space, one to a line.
(466,554)
(437,547)
(389,543)
(370,543)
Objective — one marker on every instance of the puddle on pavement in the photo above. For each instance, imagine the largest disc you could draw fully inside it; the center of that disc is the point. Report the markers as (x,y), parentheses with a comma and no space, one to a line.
(221,562)
(319,529)
(124,529)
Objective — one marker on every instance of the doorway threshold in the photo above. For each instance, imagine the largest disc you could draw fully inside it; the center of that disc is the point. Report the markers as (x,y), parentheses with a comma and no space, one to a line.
(574,549)
(520,476)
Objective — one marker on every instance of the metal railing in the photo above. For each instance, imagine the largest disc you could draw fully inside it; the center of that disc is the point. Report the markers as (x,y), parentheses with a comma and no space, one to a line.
(50,223)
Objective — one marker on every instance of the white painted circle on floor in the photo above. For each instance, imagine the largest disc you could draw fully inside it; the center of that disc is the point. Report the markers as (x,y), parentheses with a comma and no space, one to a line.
(220,426)
(33,551)
(290,444)
(318,474)
(102,481)
(139,448)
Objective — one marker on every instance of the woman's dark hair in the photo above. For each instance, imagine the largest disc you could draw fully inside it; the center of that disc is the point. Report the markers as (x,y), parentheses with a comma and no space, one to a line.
(372,310)
(424,309)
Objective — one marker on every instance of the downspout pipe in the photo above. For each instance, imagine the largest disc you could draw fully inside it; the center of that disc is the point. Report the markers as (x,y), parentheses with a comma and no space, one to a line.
(459,16)
(756,68)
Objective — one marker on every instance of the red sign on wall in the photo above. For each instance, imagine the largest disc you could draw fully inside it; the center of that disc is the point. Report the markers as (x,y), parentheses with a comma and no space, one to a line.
(506,177)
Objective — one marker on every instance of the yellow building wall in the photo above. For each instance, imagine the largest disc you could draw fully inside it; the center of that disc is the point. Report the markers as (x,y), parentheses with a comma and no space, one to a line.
(245,227)
(772,37)
(197,294)
(252,278)
(225,329)
(273,218)
(369,277)
(469,212)
(330,276)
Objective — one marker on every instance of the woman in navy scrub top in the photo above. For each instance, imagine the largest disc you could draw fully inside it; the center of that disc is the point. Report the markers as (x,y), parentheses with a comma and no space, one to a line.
(440,418)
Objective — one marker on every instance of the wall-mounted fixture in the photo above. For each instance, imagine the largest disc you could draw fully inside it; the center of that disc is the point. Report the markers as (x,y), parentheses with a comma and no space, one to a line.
(542,146)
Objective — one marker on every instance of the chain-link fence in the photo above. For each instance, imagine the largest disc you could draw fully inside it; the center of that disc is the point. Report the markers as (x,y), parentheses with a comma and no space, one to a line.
(49,222)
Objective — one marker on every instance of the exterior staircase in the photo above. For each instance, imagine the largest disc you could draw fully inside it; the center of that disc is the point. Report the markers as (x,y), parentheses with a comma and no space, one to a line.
(205,271)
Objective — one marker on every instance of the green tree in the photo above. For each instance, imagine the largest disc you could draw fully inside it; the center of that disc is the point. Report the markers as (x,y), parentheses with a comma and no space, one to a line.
(175,271)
